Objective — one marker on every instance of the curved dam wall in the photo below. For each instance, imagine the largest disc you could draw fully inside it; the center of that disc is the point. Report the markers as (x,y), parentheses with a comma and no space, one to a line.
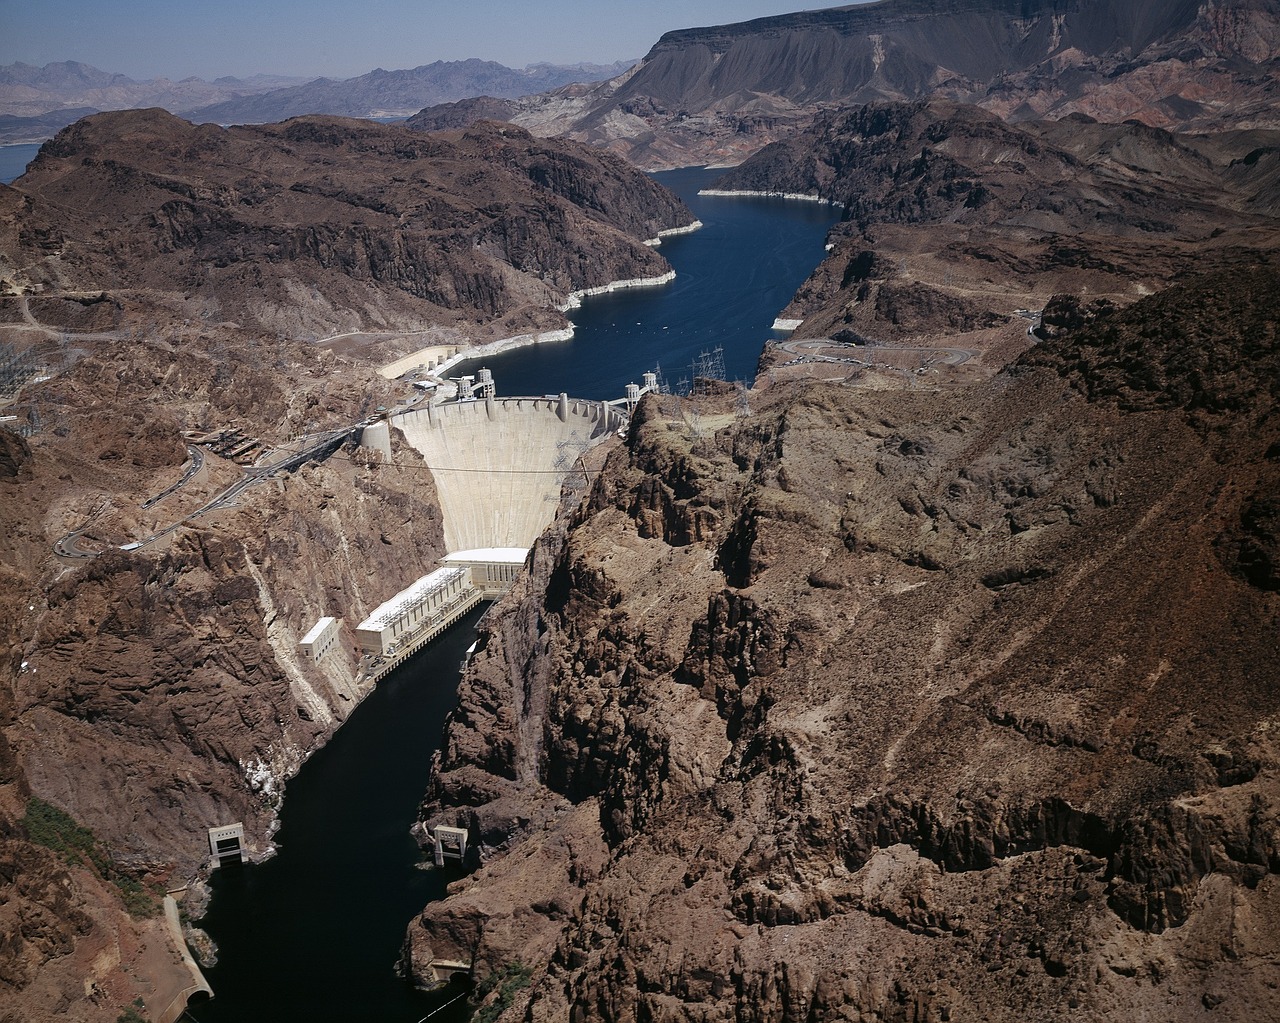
(499,463)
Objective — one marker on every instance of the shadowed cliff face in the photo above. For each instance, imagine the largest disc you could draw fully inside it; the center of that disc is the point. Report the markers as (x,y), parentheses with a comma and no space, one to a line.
(913,705)
(320,223)
(715,95)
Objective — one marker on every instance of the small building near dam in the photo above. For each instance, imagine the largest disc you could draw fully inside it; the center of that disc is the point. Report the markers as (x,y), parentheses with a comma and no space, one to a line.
(492,569)
(321,639)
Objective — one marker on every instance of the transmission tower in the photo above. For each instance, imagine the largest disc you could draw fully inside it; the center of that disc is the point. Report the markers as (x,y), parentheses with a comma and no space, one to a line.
(708,366)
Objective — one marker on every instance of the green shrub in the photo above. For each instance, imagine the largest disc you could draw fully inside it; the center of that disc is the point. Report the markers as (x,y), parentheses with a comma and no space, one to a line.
(510,979)
(131,1013)
(57,830)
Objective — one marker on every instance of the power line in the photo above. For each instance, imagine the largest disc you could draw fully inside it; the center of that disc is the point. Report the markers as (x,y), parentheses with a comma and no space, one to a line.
(439,468)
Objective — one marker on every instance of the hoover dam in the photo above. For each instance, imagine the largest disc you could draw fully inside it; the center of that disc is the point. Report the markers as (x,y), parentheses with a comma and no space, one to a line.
(498,463)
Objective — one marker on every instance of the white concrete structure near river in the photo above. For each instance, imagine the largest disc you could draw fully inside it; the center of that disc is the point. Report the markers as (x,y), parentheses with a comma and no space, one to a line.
(499,465)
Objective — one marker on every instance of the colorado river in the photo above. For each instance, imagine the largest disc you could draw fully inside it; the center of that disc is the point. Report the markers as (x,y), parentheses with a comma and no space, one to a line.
(314,933)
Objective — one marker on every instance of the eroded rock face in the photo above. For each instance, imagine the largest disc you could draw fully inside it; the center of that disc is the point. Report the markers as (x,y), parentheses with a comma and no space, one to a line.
(322,224)
(896,705)
(152,694)
(158,693)
(953,220)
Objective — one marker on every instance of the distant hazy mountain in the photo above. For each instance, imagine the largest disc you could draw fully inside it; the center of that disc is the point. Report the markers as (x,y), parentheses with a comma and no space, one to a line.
(392,93)
(29,91)
(37,102)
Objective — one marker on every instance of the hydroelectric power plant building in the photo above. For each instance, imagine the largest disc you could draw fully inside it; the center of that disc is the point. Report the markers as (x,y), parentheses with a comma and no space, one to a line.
(418,613)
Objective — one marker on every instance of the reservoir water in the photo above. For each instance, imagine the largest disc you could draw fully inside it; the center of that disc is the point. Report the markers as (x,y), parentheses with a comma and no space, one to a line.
(733,277)
(14,160)
(315,932)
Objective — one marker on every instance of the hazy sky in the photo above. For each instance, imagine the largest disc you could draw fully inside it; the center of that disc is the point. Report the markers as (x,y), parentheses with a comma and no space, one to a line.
(343,38)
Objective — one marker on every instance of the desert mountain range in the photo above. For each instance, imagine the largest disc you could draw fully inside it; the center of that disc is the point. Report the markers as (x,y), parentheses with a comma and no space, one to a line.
(937,683)
(714,95)
(35,102)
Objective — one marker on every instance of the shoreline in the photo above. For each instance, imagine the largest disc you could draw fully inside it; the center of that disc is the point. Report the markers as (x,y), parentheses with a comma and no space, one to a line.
(574,298)
(671,232)
(572,301)
(504,344)
(799,197)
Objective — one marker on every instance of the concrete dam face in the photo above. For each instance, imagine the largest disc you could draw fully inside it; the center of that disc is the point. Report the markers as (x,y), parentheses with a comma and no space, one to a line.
(499,463)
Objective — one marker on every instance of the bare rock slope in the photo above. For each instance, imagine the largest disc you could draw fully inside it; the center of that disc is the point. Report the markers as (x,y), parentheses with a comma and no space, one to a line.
(322,224)
(904,705)
(953,219)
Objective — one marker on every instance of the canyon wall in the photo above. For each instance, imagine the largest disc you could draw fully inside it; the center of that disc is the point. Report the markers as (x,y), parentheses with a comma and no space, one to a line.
(161,283)
(900,704)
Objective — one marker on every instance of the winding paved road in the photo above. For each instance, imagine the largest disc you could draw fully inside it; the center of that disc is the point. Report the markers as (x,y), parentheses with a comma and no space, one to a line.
(69,545)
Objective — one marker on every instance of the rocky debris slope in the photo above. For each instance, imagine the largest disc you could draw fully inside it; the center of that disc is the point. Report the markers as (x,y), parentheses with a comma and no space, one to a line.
(902,705)
(715,95)
(322,224)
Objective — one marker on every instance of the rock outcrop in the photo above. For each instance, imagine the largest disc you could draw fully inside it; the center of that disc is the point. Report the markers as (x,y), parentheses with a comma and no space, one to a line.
(322,225)
(953,219)
(901,705)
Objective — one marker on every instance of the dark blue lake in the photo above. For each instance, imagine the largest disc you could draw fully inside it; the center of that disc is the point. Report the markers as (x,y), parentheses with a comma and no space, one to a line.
(14,160)
(733,277)
(314,934)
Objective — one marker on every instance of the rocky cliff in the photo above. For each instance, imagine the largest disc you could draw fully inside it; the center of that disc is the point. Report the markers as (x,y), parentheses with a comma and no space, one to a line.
(320,225)
(899,704)
(152,693)
(952,219)
(714,95)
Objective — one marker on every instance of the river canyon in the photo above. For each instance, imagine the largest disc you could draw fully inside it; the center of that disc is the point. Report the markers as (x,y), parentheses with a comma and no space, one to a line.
(918,665)
(347,877)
